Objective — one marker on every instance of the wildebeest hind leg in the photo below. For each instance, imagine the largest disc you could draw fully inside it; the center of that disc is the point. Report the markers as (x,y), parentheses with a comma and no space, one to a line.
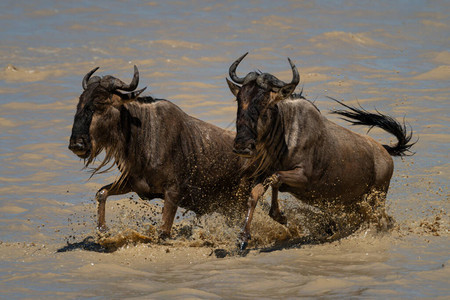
(102,194)
(275,212)
(168,213)
(293,178)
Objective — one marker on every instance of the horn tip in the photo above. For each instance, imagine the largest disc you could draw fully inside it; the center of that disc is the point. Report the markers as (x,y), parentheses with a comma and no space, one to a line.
(290,62)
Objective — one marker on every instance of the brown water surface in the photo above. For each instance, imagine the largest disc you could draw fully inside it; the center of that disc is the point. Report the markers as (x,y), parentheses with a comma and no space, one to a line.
(392,56)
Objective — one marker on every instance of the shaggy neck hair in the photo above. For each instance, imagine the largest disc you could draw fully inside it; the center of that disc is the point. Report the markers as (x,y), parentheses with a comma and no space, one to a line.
(270,144)
(112,133)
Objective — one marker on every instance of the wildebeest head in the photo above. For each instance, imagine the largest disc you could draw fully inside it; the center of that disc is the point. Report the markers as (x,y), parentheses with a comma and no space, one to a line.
(257,93)
(100,96)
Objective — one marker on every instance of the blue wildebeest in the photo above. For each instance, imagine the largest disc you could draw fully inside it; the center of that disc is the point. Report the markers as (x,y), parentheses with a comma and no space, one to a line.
(297,150)
(160,151)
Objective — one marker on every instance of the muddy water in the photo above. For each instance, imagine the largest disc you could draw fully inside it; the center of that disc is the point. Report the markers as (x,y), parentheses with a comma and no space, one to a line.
(392,56)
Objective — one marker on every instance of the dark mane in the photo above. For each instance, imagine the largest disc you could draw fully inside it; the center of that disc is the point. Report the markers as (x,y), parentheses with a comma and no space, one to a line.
(297,96)
(147,99)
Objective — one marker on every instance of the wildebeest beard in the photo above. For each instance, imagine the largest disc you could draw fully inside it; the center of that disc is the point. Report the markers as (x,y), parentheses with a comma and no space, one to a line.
(248,115)
(108,139)
(82,127)
(266,129)
(82,123)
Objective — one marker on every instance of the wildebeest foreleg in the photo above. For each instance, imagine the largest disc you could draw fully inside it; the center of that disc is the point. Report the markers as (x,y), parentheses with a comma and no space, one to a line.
(102,194)
(256,193)
(168,213)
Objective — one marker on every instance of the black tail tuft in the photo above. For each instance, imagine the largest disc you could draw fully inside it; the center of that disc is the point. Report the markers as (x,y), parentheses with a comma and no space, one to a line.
(360,116)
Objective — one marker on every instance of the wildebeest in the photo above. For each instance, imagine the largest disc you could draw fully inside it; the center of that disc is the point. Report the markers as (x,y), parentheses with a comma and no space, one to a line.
(160,151)
(297,150)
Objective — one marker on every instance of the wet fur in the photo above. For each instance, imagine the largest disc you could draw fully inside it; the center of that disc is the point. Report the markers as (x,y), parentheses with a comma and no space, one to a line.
(333,164)
(271,143)
(155,144)
(297,150)
(161,152)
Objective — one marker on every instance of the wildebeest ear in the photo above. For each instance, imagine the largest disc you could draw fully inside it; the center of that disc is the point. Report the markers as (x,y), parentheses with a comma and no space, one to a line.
(286,91)
(234,88)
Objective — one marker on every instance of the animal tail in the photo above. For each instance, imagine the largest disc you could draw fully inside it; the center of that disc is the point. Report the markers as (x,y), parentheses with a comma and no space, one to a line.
(360,116)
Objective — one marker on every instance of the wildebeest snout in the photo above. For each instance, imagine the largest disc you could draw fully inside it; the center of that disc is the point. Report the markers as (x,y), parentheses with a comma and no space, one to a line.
(79,146)
(245,149)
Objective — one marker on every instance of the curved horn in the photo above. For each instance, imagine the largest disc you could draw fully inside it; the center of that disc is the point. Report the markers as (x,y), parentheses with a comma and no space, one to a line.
(128,87)
(268,80)
(295,74)
(87,76)
(232,70)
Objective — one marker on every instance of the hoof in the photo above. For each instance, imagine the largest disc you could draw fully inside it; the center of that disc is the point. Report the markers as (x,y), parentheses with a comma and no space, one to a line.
(243,245)
(242,241)
(280,218)
(103,228)
(163,236)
